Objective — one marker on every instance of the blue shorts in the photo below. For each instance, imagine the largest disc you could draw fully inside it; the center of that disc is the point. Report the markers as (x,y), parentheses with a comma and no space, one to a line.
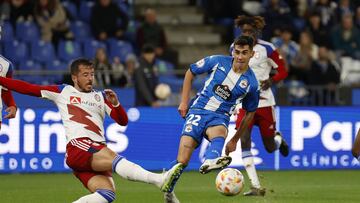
(197,121)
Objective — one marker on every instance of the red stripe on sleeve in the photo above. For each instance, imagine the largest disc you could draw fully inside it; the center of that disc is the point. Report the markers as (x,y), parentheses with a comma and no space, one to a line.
(23,87)
(118,114)
(281,70)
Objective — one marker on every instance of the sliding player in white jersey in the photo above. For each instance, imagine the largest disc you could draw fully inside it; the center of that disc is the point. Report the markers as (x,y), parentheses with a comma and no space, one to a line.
(230,81)
(82,110)
(265,59)
(6,69)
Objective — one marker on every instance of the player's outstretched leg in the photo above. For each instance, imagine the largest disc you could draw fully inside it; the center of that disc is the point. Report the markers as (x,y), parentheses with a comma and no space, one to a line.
(134,172)
(213,158)
(283,147)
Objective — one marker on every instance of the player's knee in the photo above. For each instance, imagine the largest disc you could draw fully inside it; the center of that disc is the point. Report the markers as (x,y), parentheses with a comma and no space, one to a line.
(112,153)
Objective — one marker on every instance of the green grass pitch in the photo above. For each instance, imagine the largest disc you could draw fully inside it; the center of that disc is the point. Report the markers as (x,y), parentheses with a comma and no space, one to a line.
(282,186)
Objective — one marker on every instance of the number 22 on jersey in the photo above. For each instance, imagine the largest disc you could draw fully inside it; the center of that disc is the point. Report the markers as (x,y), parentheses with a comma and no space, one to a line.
(193,119)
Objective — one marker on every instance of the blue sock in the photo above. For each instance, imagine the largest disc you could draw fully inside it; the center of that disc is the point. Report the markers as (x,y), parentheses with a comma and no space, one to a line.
(116,161)
(107,194)
(215,148)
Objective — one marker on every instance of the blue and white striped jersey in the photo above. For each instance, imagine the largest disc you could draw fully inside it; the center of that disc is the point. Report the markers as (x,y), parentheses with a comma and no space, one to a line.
(224,88)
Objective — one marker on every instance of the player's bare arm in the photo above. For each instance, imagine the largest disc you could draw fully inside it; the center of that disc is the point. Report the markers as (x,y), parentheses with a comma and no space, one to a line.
(183,107)
(231,145)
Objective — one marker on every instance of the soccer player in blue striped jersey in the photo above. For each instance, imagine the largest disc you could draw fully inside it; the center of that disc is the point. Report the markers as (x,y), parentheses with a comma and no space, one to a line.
(229,82)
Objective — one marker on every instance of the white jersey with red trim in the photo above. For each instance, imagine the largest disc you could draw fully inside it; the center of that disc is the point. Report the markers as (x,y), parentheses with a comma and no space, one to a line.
(262,64)
(82,113)
(5,69)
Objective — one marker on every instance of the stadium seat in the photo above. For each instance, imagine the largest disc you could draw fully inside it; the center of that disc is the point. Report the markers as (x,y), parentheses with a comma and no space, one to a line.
(16,51)
(30,65)
(81,30)
(42,51)
(119,48)
(56,65)
(86,9)
(27,31)
(71,9)
(69,50)
(7,33)
(91,46)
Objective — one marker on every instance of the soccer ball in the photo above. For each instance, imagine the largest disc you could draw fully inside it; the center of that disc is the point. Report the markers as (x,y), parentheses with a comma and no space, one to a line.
(229,181)
(162,91)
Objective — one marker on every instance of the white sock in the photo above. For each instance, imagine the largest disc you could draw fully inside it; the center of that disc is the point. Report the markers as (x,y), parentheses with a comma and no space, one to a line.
(134,172)
(249,165)
(92,198)
(278,140)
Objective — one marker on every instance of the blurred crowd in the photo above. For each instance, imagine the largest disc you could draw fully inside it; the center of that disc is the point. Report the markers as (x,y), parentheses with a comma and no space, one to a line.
(320,39)
(38,32)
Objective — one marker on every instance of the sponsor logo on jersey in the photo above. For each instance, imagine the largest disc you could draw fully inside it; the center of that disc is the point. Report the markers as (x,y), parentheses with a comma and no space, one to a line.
(75,100)
(97,97)
(188,128)
(200,63)
(244,83)
(222,91)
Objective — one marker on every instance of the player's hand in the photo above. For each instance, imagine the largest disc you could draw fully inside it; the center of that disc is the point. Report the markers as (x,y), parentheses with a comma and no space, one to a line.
(111,96)
(183,108)
(11,110)
(230,147)
(266,84)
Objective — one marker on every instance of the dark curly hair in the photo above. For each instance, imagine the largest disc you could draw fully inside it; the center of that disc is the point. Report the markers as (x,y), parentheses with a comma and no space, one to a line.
(257,22)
